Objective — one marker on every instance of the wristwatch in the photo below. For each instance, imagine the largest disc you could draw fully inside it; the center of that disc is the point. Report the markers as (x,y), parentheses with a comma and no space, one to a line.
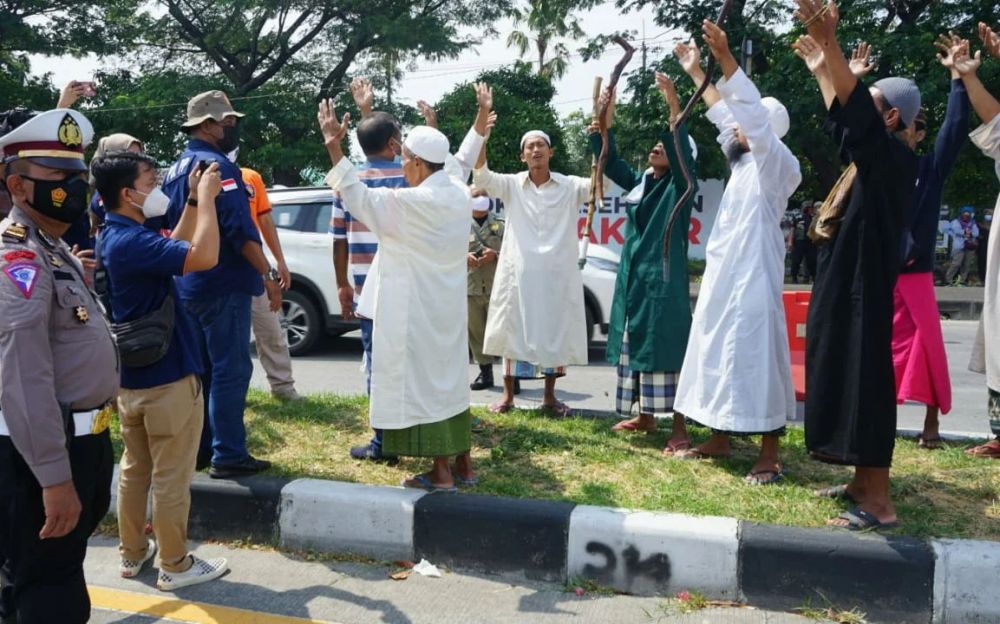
(271,276)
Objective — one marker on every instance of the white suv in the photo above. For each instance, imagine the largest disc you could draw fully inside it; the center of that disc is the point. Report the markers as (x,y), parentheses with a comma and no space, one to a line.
(311,308)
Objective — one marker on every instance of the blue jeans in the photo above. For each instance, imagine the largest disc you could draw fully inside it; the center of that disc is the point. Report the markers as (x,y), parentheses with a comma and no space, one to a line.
(366,343)
(224,329)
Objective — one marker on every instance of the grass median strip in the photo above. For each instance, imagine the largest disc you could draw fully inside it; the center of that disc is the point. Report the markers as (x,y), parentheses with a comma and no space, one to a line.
(523,454)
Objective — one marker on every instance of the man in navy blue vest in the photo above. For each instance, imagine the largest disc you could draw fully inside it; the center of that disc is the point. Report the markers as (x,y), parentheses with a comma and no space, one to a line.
(219,300)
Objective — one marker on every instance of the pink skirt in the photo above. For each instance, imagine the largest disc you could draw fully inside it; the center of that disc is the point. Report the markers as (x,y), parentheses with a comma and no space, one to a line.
(918,345)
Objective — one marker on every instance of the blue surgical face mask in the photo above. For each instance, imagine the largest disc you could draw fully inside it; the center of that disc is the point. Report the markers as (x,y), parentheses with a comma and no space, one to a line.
(988,218)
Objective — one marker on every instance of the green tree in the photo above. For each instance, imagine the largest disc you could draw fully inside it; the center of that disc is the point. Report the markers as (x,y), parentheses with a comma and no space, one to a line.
(523,101)
(547,24)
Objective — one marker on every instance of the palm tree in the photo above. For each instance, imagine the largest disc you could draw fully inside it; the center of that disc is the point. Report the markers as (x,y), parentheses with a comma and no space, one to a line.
(546,22)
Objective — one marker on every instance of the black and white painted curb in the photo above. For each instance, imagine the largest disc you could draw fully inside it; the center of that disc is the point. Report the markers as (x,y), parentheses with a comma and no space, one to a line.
(892,579)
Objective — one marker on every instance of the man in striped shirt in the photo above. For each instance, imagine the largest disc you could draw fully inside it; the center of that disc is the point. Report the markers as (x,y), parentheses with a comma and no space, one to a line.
(354,245)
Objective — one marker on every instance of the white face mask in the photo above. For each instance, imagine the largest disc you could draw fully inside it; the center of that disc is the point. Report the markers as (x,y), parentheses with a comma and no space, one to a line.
(155,204)
(480,204)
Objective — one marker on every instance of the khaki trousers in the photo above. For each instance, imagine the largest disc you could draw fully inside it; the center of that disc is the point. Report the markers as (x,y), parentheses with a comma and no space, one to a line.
(479,305)
(272,348)
(161,428)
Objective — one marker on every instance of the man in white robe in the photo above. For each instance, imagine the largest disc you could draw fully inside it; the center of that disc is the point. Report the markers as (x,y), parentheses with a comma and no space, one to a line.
(736,377)
(419,387)
(985,355)
(536,319)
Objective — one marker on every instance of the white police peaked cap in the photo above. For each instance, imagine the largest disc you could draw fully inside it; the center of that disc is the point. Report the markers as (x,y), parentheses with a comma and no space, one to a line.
(55,138)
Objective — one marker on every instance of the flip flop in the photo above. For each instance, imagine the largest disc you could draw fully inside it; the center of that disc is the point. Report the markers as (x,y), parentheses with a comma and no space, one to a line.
(630,425)
(860,520)
(462,481)
(776,476)
(837,492)
(693,454)
(478,425)
(500,407)
(422,482)
(672,447)
(988,450)
(557,409)
(929,444)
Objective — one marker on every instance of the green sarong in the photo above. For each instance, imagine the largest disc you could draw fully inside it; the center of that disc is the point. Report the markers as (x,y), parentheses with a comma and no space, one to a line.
(448,437)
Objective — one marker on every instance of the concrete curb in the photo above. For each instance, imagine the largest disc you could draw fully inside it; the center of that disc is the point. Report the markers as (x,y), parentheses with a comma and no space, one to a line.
(892,579)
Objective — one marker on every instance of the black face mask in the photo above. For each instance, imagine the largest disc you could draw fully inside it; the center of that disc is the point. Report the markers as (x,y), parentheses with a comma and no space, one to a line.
(230,139)
(63,200)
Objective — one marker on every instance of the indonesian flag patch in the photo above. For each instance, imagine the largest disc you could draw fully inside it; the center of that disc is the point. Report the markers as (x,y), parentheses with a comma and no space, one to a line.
(23,275)
(229,184)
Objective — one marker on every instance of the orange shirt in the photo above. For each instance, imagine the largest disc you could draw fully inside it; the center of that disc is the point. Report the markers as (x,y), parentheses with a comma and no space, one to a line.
(257,194)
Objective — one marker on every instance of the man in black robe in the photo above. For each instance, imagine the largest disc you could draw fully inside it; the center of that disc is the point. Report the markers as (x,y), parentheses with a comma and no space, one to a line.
(850,382)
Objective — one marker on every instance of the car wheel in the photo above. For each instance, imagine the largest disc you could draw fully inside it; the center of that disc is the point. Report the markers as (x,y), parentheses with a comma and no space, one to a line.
(300,321)
(590,320)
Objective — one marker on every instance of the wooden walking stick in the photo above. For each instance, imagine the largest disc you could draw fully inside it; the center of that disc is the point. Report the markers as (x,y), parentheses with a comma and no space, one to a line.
(597,170)
(595,202)
(685,170)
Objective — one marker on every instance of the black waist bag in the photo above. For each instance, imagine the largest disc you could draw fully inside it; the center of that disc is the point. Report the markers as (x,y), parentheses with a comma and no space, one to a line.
(146,340)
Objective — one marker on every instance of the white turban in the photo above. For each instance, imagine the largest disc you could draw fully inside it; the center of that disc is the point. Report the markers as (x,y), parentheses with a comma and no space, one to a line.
(428,144)
(533,134)
(779,116)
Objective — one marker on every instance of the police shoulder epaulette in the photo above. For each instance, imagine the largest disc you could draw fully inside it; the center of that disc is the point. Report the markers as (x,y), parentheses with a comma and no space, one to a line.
(15,232)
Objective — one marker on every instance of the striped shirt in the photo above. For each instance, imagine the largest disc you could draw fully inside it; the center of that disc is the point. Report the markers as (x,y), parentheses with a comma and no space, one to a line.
(362,242)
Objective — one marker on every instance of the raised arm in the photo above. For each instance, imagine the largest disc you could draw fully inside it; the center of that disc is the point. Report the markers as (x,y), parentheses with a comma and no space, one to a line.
(811,54)
(985,105)
(364,95)
(616,169)
(953,131)
(821,23)
(689,57)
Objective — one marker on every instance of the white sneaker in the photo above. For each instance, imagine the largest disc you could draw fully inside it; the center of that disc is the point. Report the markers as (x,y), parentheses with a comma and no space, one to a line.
(130,568)
(201,571)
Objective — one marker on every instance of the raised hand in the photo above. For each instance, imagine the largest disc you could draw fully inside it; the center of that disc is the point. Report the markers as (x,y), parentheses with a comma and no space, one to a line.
(990,39)
(210,183)
(484,95)
(72,92)
(428,113)
(606,102)
(689,56)
(966,64)
(333,130)
(819,19)
(809,51)
(364,95)
(860,62)
(491,120)
(665,85)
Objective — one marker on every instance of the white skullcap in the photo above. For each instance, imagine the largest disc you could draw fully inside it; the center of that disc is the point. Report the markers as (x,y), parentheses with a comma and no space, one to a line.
(779,116)
(532,134)
(428,144)
(480,204)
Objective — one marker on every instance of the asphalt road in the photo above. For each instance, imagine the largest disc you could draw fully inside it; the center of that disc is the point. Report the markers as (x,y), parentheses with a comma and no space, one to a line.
(335,367)
(271,587)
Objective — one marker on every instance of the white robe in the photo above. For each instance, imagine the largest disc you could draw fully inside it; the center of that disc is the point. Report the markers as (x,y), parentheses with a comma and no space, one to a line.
(420,338)
(536,307)
(736,374)
(985,360)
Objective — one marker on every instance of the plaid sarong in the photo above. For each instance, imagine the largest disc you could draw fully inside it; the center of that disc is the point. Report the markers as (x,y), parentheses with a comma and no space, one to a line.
(994,410)
(654,391)
(520,369)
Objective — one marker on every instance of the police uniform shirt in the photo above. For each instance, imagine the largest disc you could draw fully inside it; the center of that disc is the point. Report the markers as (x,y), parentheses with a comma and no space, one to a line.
(141,266)
(233,273)
(490,233)
(55,346)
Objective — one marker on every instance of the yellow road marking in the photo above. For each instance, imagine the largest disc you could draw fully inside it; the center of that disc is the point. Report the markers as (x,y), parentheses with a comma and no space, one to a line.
(183,610)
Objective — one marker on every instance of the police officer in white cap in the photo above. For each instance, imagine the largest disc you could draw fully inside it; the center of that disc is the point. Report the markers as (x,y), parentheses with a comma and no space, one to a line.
(58,371)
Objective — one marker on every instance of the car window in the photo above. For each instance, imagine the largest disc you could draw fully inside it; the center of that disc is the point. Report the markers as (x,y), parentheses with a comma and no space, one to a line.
(286,216)
(322,224)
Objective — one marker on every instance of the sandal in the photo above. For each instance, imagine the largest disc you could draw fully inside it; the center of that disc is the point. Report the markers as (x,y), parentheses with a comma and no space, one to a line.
(557,409)
(860,520)
(838,492)
(478,425)
(423,482)
(929,444)
(990,450)
(754,477)
(633,425)
(460,480)
(500,407)
(676,446)
(695,454)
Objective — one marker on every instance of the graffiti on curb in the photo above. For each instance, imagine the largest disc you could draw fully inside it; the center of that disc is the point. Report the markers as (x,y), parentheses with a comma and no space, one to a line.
(655,567)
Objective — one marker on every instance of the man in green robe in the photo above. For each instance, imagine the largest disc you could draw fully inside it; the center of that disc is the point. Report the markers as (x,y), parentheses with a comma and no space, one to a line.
(651,314)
